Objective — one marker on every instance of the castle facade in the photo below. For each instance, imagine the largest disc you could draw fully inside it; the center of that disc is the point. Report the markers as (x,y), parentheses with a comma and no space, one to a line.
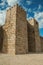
(19,36)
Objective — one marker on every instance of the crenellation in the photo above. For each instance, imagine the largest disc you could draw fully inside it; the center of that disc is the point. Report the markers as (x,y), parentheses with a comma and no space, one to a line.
(19,36)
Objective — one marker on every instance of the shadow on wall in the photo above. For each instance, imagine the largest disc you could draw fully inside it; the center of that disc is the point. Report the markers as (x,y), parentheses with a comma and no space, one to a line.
(31,38)
(3,41)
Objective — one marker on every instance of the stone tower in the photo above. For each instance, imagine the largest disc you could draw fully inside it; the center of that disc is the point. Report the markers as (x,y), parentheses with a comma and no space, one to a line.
(15,31)
(34,43)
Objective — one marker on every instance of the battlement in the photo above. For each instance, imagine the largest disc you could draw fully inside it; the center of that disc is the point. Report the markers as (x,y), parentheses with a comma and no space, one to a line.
(19,36)
(33,22)
(16,6)
(19,10)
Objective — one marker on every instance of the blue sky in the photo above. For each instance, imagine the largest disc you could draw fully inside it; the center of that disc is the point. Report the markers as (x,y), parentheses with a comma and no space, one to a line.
(33,8)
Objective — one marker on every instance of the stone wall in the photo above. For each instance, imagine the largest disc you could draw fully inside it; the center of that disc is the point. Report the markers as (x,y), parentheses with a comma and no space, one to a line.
(21,32)
(37,37)
(10,30)
(19,36)
(34,38)
(1,38)
(31,38)
(15,36)
(41,43)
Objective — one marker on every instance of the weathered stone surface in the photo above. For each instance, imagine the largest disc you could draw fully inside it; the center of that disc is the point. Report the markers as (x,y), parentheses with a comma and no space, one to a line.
(18,36)
(31,38)
(16,31)
(10,30)
(33,35)
(41,43)
(21,32)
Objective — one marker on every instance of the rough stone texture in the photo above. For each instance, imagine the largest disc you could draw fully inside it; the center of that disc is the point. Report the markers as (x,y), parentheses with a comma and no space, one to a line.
(21,32)
(31,38)
(41,43)
(18,36)
(33,35)
(15,36)
(37,37)
(10,31)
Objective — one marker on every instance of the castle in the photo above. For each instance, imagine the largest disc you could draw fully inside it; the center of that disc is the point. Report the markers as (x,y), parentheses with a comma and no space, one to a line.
(19,36)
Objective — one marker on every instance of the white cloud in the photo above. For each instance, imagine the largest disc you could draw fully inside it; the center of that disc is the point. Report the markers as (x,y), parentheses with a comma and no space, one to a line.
(3,13)
(29,18)
(2,3)
(12,2)
(39,7)
(2,17)
(28,2)
(39,17)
